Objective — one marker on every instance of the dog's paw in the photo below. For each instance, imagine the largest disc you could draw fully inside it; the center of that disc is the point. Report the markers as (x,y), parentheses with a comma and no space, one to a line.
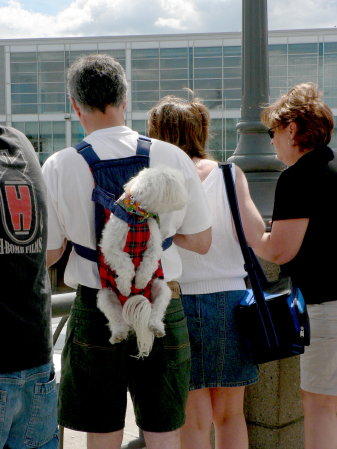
(158,329)
(141,281)
(124,286)
(118,337)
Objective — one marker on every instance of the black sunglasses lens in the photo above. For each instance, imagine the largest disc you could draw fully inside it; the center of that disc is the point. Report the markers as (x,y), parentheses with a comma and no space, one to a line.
(271,133)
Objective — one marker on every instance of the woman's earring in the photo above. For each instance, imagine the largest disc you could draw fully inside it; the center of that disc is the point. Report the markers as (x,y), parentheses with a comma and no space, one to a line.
(291,142)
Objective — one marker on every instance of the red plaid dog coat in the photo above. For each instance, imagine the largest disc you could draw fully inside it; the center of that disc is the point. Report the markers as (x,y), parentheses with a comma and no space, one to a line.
(136,244)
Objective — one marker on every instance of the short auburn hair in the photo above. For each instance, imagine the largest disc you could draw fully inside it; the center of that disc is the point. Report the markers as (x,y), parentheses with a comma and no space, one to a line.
(182,122)
(303,105)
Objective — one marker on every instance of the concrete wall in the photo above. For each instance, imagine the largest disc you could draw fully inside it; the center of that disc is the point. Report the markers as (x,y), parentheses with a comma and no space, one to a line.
(273,407)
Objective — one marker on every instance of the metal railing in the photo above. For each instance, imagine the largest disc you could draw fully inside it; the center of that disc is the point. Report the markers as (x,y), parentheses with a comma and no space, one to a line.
(61,305)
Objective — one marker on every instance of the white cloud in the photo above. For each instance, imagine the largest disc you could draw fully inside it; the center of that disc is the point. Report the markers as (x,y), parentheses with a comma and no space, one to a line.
(120,17)
(284,14)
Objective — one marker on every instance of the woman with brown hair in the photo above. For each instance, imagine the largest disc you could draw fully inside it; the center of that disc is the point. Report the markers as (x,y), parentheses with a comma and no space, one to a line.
(300,126)
(212,286)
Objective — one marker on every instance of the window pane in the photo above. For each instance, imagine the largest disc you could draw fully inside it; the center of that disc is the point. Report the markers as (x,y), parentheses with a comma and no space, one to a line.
(51,56)
(278,49)
(278,70)
(51,77)
(52,87)
(145,85)
(212,104)
(24,78)
(51,66)
(207,62)
(174,84)
(46,137)
(59,136)
(25,67)
(232,83)
(145,63)
(330,47)
(232,62)
(232,51)
(208,73)
(173,53)
(232,72)
(148,75)
(276,60)
(173,74)
(140,126)
(145,53)
(23,57)
(173,63)
(24,88)
(51,107)
(31,131)
(302,48)
(52,98)
(24,98)
(302,59)
(77,132)
(207,51)
(24,108)
(143,105)
(20,126)
(208,84)
(145,96)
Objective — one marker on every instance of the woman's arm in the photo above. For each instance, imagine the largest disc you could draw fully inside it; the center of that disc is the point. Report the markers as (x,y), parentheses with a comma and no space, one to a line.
(252,222)
(284,241)
(199,242)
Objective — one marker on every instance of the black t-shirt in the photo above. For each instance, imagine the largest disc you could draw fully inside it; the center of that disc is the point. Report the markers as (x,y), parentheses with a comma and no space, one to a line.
(25,328)
(308,189)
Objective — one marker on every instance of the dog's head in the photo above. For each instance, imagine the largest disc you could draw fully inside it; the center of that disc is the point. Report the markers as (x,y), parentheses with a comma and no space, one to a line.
(158,189)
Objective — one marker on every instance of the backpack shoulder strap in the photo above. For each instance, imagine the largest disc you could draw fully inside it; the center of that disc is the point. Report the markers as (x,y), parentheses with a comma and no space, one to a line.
(143,146)
(87,152)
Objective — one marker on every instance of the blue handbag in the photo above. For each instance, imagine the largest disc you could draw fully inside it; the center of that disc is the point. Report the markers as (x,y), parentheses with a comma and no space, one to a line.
(273,316)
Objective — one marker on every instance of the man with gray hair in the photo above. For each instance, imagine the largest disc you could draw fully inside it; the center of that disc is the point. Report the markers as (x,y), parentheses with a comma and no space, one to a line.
(96,374)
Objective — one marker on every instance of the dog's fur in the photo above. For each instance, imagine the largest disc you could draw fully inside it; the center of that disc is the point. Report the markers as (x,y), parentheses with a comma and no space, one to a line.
(157,190)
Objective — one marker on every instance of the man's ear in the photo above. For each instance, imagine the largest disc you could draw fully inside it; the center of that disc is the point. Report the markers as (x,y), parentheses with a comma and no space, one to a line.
(75,106)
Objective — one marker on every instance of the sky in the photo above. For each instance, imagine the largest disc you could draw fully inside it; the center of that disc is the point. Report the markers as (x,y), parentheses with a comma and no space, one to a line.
(67,18)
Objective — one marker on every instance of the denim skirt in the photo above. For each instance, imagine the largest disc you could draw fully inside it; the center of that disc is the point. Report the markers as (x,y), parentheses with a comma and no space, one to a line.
(220,357)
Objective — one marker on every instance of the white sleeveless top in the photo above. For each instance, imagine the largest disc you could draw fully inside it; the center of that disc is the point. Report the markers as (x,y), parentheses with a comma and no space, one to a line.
(222,268)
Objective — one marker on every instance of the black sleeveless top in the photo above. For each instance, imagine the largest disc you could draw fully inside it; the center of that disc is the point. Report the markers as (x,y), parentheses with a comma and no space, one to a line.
(308,189)
(25,319)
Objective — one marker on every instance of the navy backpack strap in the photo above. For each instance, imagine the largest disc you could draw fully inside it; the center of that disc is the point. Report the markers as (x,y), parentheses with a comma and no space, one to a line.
(167,243)
(143,146)
(85,149)
(86,253)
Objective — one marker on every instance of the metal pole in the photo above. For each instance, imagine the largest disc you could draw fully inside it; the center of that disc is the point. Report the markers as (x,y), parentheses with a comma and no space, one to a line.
(255,153)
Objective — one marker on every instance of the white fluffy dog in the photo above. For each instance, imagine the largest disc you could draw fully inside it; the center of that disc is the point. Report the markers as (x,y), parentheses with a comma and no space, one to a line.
(137,296)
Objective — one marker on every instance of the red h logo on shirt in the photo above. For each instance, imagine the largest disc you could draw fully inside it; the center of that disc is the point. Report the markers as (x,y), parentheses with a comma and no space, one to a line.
(19,206)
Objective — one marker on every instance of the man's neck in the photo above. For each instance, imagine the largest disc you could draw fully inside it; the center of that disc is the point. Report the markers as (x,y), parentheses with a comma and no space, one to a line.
(95,120)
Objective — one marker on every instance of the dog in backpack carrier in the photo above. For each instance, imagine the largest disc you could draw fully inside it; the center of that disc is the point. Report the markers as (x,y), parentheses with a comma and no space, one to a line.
(135,296)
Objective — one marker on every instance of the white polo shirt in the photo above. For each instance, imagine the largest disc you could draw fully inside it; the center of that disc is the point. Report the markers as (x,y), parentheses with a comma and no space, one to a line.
(71,211)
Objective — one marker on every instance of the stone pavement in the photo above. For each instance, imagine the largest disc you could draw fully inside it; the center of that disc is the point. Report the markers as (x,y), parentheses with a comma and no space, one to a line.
(77,440)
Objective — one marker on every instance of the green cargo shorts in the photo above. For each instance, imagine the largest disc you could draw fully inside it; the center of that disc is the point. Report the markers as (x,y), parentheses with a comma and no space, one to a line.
(96,375)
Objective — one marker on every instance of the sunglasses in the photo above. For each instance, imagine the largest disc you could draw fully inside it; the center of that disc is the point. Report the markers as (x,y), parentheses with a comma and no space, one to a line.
(270,131)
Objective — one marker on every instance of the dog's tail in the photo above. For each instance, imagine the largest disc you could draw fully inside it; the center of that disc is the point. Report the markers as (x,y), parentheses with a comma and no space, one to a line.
(136,313)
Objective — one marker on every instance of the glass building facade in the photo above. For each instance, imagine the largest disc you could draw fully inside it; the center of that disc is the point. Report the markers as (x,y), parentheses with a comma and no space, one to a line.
(33,96)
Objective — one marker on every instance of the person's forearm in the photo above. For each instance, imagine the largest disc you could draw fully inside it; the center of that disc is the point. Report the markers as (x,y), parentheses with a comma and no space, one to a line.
(53,255)
(199,243)
(263,248)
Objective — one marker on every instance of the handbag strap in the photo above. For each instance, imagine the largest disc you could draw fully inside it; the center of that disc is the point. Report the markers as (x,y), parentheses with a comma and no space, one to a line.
(252,266)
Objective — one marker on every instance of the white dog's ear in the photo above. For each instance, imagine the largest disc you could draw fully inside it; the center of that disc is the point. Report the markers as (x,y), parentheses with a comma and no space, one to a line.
(158,189)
